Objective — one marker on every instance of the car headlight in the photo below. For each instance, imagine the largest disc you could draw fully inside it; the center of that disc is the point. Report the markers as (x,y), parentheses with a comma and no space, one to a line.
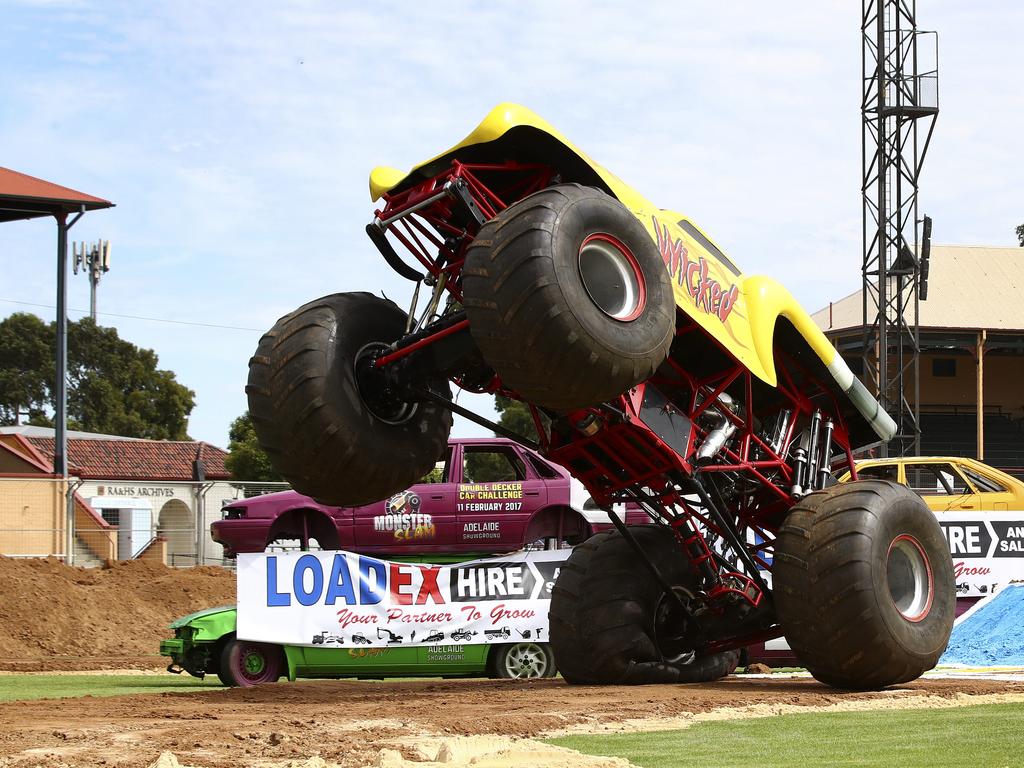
(233,513)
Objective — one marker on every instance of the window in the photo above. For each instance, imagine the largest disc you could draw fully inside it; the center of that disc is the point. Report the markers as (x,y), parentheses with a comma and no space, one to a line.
(982,483)
(439,474)
(710,247)
(486,464)
(878,472)
(936,480)
(542,468)
(944,367)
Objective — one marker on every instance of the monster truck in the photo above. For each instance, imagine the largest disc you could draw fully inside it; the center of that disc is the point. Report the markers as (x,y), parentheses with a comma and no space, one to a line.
(656,373)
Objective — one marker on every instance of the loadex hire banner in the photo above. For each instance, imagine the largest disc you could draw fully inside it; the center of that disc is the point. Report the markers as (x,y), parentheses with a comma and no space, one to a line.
(345,600)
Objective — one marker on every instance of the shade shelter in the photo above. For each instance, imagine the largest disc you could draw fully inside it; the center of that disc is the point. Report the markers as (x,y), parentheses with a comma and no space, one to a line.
(26,197)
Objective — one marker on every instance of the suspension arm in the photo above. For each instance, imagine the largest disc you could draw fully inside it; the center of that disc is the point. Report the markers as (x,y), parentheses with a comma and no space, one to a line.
(444,402)
(728,531)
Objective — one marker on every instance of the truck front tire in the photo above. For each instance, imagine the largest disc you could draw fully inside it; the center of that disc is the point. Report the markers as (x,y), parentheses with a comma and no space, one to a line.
(863,585)
(332,434)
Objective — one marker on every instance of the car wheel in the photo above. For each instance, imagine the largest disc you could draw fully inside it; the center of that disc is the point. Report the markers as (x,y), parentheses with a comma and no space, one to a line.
(523,661)
(245,663)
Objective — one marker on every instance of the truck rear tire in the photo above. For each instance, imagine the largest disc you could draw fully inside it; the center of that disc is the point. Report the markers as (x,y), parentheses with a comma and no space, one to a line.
(332,433)
(606,615)
(568,298)
(863,585)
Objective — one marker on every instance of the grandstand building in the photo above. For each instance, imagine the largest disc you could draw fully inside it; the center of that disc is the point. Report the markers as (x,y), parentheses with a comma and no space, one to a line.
(972,353)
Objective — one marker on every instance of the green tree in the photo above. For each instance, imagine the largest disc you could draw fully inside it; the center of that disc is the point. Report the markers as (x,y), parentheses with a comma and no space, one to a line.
(26,365)
(246,460)
(1020,235)
(515,415)
(114,387)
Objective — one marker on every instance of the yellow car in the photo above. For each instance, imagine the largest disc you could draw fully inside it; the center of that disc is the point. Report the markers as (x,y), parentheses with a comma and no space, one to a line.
(948,483)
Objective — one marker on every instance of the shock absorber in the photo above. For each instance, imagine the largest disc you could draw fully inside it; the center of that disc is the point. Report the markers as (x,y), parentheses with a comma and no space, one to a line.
(813,451)
(825,463)
(799,462)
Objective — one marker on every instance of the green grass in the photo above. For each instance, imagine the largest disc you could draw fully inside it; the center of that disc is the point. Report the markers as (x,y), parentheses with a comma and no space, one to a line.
(975,736)
(26,687)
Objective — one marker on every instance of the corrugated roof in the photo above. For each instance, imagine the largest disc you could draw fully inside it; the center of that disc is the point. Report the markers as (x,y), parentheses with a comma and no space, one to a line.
(25,197)
(969,287)
(164,460)
(31,430)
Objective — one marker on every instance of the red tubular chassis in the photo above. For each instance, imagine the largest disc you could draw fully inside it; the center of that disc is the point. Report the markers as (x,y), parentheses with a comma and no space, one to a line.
(763,446)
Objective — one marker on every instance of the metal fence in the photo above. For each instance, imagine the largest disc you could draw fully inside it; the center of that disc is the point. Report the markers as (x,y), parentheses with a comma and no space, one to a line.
(117,520)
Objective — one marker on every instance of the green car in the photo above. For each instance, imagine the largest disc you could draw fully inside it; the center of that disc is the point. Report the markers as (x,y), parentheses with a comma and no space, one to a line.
(205,643)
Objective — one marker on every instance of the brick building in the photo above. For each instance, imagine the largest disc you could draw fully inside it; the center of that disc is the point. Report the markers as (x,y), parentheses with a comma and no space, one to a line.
(130,495)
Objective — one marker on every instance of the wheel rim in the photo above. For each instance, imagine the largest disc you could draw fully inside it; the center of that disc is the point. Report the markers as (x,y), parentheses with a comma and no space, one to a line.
(253,663)
(373,388)
(526,661)
(672,631)
(909,578)
(612,277)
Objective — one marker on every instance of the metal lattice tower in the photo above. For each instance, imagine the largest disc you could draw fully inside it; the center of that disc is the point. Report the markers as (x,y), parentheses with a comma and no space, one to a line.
(900,101)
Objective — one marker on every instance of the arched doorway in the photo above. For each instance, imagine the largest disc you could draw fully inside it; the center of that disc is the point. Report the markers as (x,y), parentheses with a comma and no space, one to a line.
(177,525)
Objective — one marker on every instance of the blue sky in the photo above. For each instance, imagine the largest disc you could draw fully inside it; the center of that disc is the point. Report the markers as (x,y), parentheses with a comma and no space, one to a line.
(236,139)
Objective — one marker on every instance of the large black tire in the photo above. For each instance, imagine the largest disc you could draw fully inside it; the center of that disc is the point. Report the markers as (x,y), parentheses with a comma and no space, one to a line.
(603,614)
(314,422)
(540,326)
(864,585)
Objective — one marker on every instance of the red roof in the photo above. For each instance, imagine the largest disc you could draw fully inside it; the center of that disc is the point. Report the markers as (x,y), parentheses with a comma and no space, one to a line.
(164,460)
(25,197)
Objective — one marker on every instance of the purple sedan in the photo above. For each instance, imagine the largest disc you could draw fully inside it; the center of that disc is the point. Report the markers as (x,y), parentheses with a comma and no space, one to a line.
(488,495)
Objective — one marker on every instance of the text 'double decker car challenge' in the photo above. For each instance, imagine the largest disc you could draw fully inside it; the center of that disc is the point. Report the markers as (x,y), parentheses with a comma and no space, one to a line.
(657,374)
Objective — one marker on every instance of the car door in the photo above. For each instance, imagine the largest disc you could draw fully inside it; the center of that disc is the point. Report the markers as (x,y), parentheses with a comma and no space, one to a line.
(421,518)
(497,495)
(941,485)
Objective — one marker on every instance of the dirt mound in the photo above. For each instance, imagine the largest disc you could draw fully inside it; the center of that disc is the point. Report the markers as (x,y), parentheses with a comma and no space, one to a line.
(56,617)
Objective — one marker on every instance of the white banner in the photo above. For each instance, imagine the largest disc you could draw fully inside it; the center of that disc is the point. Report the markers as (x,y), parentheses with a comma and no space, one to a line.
(987,549)
(346,600)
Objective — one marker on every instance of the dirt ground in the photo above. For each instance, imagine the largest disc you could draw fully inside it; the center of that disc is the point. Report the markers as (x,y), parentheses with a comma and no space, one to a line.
(352,723)
(57,618)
